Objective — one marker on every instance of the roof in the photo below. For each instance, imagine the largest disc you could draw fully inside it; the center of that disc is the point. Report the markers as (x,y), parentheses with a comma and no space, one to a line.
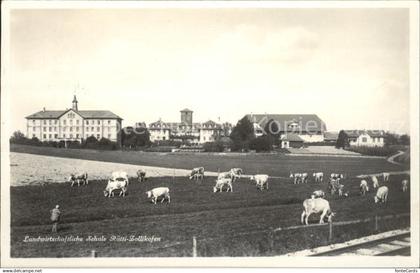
(306,122)
(330,135)
(211,124)
(371,133)
(292,137)
(186,110)
(54,114)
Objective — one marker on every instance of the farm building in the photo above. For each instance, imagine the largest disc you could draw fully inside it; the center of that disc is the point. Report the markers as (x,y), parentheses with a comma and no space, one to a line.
(187,130)
(370,138)
(310,128)
(73,124)
(291,141)
(331,137)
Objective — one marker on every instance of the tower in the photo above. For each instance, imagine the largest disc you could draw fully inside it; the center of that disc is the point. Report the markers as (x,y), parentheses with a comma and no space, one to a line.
(186,116)
(74,104)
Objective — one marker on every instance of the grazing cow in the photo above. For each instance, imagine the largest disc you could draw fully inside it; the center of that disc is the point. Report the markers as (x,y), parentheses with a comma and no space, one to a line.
(141,175)
(79,179)
(197,173)
(236,173)
(316,205)
(299,177)
(363,187)
(318,176)
(261,180)
(375,182)
(221,182)
(119,183)
(336,176)
(386,176)
(159,192)
(318,194)
(381,194)
(404,185)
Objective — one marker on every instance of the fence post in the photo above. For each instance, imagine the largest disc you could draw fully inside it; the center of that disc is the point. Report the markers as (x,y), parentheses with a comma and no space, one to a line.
(194,246)
(376,223)
(330,233)
(271,239)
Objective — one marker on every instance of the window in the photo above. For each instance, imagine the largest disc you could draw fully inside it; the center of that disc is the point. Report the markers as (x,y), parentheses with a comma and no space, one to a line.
(33,121)
(45,136)
(364,139)
(49,136)
(55,135)
(87,122)
(77,129)
(71,135)
(64,135)
(55,129)
(109,136)
(77,135)
(109,122)
(45,129)
(64,129)
(87,129)
(55,121)
(98,128)
(99,122)
(98,136)
(45,122)
(71,129)
(64,122)
(77,122)
(49,122)
(50,129)
(92,129)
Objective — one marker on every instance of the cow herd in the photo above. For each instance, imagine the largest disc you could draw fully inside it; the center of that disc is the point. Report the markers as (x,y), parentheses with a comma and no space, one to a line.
(314,205)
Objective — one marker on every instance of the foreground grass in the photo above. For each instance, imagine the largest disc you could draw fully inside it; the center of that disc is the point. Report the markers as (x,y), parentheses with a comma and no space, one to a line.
(220,221)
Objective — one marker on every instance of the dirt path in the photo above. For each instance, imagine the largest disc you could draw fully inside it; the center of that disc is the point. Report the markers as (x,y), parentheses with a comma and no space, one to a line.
(391,158)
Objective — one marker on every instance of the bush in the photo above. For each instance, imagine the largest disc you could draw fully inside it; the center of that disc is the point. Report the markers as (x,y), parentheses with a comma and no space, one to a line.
(216,146)
(374,151)
(261,144)
(174,143)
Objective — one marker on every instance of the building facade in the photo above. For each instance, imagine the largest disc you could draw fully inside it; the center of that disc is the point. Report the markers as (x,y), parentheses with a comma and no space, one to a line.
(309,128)
(73,124)
(186,130)
(367,138)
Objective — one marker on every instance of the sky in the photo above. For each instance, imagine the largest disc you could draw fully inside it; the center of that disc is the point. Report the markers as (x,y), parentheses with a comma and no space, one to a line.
(348,66)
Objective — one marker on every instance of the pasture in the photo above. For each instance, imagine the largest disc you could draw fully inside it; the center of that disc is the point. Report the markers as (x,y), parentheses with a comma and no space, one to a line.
(225,224)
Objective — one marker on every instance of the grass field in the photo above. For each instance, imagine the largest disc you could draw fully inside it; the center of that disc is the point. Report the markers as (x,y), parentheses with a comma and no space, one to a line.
(222,222)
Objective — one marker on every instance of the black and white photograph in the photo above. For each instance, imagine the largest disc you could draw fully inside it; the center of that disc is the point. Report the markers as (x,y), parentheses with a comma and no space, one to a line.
(209,132)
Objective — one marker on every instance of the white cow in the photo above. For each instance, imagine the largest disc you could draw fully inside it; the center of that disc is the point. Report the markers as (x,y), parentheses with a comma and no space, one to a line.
(318,176)
(404,185)
(221,182)
(386,176)
(261,180)
(159,192)
(375,182)
(299,177)
(336,176)
(236,173)
(81,178)
(119,174)
(119,183)
(197,173)
(316,205)
(381,194)
(318,194)
(363,187)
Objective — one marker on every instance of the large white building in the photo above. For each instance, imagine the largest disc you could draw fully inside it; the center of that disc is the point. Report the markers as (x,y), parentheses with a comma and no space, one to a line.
(367,138)
(73,124)
(187,130)
(308,127)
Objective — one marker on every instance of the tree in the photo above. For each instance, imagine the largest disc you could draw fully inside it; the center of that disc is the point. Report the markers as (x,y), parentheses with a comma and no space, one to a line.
(242,134)
(135,137)
(391,139)
(342,140)
(404,139)
(19,138)
(262,143)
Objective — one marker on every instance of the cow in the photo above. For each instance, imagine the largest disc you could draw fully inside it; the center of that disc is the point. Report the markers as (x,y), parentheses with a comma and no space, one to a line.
(236,173)
(159,192)
(316,205)
(381,194)
(341,191)
(299,177)
(119,183)
(221,182)
(141,175)
(197,173)
(404,185)
(261,180)
(386,176)
(318,176)
(336,176)
(375,182)
(318,194)
(363,187)
(81,178)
